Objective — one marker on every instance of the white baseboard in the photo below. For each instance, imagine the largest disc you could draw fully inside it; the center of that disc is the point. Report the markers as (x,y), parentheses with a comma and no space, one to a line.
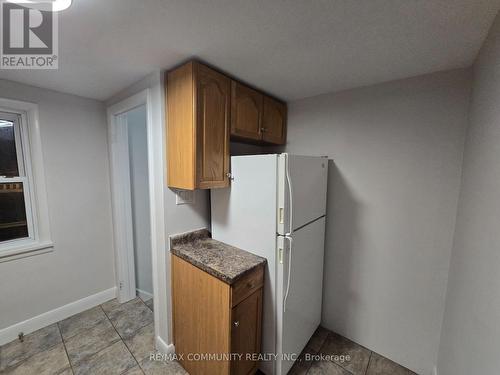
(143,294)
(53,316)
(163,347)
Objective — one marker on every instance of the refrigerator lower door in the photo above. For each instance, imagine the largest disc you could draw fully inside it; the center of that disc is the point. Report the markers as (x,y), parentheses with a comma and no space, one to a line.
(307,177)
(298,320)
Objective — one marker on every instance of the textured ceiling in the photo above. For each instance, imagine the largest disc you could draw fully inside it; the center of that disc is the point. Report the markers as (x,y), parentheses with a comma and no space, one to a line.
(290,48)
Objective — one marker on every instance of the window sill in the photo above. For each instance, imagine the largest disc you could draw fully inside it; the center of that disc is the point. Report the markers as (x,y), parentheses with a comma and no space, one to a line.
(24,249)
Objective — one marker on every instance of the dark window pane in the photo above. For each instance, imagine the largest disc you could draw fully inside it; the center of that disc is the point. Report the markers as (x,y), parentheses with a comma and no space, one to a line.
(12,212)
(8,156)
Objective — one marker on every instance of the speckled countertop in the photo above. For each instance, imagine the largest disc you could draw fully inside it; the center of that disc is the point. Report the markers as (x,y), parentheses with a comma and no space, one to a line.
(227,263)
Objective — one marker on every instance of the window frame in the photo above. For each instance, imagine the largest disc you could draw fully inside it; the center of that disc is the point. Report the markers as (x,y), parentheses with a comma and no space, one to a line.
(30,164)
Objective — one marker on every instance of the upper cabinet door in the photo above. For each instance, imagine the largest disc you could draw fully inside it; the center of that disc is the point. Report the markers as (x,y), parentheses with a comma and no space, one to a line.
(246,112)
(274,121)
(212,130)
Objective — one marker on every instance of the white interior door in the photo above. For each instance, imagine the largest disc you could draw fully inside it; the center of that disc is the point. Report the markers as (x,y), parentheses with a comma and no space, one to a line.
(302,314)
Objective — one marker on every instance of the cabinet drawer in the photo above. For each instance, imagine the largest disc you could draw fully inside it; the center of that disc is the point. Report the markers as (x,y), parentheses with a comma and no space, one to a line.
(247,285)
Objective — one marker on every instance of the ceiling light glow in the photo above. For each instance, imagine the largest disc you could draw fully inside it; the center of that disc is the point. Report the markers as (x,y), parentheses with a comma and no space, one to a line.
(57,5)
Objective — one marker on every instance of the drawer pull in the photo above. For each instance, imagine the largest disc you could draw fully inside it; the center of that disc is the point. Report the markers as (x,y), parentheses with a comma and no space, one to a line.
(236,323)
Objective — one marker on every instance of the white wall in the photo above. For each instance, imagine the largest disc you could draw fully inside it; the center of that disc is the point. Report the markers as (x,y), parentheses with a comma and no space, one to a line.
(392,197)
(471,331)
(74,143)
(139,190)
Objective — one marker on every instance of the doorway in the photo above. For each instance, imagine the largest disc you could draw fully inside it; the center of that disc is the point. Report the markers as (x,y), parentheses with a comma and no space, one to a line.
(136,123)
(131,198)
(122,207)
(131,204)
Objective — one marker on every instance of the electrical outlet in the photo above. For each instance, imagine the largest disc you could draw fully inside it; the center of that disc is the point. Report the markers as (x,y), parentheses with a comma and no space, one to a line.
(184,197)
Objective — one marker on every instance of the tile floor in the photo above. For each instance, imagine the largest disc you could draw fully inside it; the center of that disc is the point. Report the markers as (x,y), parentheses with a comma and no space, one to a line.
(107,339)
(361,361)
(118,339)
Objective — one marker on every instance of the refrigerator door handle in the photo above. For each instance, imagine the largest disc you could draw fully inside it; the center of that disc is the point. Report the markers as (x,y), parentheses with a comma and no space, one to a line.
(287,290)
(290,195)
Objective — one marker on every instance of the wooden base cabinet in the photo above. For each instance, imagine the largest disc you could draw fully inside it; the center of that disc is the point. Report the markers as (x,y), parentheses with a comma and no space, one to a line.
(212,318)
(246,333)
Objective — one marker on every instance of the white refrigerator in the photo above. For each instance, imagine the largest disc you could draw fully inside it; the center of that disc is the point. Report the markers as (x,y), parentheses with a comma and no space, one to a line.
(275,208)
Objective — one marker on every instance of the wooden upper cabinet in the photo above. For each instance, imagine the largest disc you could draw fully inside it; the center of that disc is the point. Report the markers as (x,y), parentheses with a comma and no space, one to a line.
(274,121)
(212,111)
(204,109)
(246,112)
(198,129)
(256,117)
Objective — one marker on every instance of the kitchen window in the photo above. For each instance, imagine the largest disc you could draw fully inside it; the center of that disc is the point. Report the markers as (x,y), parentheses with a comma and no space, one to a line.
(15,205)
(24,226)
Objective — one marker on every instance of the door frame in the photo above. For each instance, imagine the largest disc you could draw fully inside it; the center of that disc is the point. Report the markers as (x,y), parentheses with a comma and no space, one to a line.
(121,197)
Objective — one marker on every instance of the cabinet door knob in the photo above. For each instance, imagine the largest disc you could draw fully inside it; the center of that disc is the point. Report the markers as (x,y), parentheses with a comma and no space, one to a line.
(230,176)
(263,130)
(236,323)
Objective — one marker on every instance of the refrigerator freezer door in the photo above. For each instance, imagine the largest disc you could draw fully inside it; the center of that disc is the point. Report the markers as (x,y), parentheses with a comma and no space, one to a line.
(244,216)
(308,176)
(303,308)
